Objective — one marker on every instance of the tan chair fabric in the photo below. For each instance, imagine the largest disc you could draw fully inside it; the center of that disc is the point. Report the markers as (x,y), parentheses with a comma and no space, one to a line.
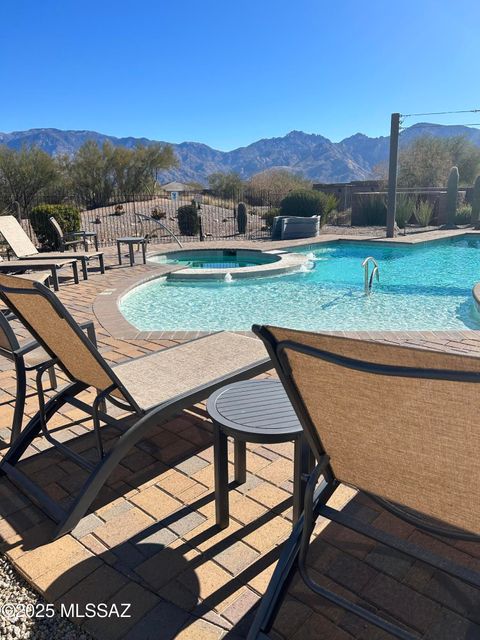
(16,237)
(413,441)
(156,378)
(56,333)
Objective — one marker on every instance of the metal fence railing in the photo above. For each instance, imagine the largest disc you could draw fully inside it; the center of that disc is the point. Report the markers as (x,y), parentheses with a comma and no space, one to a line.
(216,218)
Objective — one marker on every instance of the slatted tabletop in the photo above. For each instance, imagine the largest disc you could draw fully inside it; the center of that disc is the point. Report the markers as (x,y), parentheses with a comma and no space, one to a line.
(255,410)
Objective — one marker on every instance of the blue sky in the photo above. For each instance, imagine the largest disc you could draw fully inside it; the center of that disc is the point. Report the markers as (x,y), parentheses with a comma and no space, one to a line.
(228,73)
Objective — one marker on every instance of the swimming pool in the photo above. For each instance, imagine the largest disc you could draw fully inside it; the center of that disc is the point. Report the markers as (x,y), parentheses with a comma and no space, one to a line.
(422,287)
(214,258)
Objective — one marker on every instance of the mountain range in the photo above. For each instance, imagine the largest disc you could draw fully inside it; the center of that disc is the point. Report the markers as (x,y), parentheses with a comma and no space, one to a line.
(309,154)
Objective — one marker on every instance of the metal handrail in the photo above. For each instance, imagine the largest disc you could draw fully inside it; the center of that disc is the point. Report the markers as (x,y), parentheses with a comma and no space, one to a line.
(145,217)
(368,281)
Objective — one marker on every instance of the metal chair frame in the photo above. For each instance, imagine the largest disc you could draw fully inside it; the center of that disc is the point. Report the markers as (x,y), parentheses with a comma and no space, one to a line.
(294,554)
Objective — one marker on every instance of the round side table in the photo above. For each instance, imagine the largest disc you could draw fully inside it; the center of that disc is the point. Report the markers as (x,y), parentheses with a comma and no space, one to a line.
(130,241)
(254,411)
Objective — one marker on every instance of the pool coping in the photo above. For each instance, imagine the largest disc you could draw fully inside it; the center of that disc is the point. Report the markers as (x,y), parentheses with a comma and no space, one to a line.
(107,312)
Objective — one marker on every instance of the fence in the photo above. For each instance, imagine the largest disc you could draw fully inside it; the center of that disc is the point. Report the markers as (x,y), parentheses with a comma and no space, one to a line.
(217,216)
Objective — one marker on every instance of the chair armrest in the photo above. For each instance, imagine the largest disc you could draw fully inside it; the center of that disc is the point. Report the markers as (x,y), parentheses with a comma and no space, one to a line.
(74,234)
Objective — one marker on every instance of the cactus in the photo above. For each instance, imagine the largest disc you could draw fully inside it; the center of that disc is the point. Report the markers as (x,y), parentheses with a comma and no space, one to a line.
(452,194)
(242,217)
(476,203)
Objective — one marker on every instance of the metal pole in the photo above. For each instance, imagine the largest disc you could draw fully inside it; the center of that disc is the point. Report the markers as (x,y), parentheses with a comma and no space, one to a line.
(392,174)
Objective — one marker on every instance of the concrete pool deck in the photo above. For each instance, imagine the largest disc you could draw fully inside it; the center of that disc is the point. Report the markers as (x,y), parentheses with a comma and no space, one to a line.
(151,539)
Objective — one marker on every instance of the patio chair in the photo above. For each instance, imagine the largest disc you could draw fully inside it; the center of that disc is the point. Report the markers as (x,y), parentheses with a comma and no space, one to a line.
(151,389)
(396,423)
(72,238)
(24,248)
(25,265)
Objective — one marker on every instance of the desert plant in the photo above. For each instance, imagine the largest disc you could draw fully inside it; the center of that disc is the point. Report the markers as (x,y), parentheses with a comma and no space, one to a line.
(452,195)
(67,216)
(404,209)
(372,209)
(188,220)
(157,214)
(423,212)
(307,203)
(463,215)
(476,202)
(119,210)
(241,217)
(269,215)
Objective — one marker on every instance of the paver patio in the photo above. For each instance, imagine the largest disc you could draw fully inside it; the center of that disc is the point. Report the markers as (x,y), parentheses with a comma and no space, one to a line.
(151,540)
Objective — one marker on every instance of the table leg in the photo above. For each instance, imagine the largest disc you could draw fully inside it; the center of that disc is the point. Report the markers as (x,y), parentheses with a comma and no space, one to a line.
(95,239)
(144,252)
(130,253)
(301,467)
(119,253)
(240,448)
(220,456)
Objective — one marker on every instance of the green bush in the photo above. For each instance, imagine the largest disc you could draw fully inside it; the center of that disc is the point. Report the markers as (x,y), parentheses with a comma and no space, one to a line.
(423,213)
(307,203)
(463,214)
(372,209)
(188,220)
(67,216)
(404,209)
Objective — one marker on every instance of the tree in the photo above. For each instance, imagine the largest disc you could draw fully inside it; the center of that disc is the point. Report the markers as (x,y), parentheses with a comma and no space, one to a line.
(225,185)
(275,184)
(96,172)
(24,174)
(427,161)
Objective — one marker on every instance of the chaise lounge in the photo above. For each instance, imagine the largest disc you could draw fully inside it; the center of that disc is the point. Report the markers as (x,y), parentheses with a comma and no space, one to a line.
(24,248)
(150,389)
(393,422)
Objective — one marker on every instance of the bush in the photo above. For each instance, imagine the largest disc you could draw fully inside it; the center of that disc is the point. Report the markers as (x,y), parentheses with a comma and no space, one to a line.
(423,213)
(404,209)
(464,214)
(372,209)
(67,216)
(269,215)
(307,203)
(188,220)
(241,217)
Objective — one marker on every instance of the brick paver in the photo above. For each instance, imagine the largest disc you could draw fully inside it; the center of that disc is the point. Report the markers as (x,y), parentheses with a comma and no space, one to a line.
(151,537)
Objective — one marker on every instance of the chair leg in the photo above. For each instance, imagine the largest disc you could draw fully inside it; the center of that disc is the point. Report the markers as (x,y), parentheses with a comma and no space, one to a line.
(52,377)
(220,455)
(301,467)
(84,269)
(19,400)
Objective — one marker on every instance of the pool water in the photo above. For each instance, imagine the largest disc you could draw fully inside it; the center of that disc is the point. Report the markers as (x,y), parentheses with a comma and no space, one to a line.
(214,259)
(422,287)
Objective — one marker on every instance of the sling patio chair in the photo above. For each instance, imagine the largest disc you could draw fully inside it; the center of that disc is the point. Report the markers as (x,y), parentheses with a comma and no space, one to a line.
(24,249)
(151,389)
(73,238)
(54,264)
(394,422)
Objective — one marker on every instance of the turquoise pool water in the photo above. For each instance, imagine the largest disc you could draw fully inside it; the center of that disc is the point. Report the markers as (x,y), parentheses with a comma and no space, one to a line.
(422,287)
(213,259)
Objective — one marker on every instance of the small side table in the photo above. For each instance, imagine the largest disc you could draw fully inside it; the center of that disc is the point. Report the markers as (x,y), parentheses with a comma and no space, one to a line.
(254,411)
(130,241)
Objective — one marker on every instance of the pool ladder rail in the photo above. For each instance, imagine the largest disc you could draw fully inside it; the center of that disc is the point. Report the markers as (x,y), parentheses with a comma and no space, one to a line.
(368,277)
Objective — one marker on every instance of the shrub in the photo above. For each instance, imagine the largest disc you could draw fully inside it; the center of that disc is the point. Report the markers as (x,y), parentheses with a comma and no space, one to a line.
(157,214)
(269,215)
(404,209)
(188,220)
(307,203)
(67,216)
(372,209)
(242,217)
(463,214)
(423,213)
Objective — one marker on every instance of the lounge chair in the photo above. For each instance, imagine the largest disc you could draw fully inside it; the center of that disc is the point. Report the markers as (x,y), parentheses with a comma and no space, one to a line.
(151,388)
(21,266)
(24,248)
(396,423)
(73,238)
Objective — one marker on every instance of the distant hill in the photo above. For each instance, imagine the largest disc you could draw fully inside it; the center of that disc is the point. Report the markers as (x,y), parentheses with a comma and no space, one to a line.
(310,154)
